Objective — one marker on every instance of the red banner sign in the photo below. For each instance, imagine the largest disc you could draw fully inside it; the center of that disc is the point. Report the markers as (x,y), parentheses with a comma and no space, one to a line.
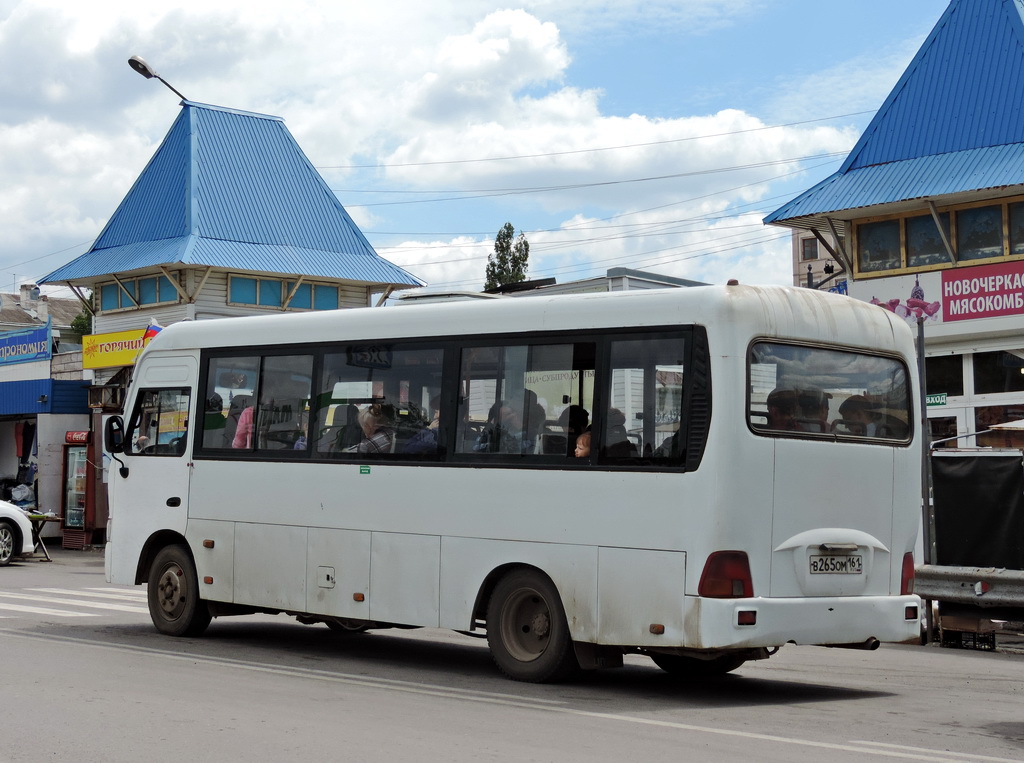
(76,438)
(988,291)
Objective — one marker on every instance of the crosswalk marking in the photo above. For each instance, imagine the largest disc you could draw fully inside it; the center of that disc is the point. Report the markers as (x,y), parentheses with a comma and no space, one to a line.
(44,611)
(73,602)
(135,591)
(118,596)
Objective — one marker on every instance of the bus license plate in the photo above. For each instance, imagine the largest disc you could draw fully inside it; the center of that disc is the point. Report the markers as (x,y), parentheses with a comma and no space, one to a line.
(845,564)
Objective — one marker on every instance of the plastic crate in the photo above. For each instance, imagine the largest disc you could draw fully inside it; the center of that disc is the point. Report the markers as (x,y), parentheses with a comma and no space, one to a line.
(969,640)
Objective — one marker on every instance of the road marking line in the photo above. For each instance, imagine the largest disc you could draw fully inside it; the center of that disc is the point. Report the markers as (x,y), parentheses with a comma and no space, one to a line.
(74,602)
(127,591)
(44,611)
(85,592)
(971,756)
(934,756)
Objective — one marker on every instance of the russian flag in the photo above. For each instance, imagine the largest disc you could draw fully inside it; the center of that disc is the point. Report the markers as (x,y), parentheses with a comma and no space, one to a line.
(152,330)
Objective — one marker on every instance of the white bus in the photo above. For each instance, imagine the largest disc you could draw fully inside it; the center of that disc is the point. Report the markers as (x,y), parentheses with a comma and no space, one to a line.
(752,477)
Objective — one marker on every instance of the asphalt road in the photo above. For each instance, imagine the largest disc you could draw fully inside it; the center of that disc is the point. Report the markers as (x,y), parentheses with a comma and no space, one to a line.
(86,677)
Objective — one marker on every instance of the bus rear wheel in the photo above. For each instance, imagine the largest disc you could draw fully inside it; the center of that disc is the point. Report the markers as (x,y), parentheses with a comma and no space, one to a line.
(527,631)
(691,667)
(173,594)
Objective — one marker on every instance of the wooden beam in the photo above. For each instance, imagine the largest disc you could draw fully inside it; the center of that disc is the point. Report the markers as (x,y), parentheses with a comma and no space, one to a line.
(942,233)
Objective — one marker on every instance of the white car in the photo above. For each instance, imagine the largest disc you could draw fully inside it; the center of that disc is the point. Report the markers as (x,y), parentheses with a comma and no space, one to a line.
(15,533)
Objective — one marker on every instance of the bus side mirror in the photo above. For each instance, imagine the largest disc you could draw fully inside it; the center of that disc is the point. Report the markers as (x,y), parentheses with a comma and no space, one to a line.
(113,435)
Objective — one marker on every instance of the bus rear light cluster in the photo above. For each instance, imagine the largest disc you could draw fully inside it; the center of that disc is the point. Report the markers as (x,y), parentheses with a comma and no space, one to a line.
(726,575)
(907,578)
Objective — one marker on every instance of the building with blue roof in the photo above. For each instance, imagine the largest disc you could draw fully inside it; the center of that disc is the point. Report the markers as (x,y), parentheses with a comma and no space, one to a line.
(228,218)
(925,217)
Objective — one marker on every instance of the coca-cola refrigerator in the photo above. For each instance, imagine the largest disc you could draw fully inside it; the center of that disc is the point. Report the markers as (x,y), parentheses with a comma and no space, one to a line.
(77,521)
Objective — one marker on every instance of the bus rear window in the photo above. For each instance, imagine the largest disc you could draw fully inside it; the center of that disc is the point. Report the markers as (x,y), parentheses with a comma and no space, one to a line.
(801,391)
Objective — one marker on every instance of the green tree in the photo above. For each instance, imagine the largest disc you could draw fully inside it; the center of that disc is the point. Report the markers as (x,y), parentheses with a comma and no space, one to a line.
(508,263)
(81,324)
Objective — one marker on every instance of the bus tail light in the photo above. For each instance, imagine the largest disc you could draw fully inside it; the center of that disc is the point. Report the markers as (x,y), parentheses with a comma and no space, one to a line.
(726,575)
(907,578)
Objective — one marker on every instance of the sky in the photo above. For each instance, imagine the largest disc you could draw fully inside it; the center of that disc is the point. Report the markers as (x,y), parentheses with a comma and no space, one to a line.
(647,134)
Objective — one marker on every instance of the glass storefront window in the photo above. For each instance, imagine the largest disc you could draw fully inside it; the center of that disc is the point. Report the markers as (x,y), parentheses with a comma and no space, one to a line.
(996,372)
(945,375)
(979,233)
(878,246)
(987,416)
(942,428)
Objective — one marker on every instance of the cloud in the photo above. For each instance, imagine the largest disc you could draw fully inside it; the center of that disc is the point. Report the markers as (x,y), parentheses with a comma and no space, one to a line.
(398,83)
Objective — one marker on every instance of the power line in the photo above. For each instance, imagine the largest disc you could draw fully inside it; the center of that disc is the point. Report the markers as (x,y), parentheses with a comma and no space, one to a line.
(590,150)
(490,193)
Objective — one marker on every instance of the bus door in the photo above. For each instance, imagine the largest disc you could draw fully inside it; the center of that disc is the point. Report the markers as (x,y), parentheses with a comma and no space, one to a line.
(157,436)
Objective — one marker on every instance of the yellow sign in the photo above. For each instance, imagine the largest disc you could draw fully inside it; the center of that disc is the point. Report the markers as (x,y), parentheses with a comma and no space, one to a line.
(120,348)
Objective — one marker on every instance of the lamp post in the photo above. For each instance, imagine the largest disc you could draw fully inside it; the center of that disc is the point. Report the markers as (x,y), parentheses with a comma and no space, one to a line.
(139,64)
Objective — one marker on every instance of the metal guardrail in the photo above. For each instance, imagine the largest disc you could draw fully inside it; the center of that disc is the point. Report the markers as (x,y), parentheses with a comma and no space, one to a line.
(978,586)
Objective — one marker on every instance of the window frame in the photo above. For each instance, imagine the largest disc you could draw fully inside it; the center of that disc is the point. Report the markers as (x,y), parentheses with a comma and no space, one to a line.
(161,450)
(1007,206)
(134,285)
(452,347)
(829,436)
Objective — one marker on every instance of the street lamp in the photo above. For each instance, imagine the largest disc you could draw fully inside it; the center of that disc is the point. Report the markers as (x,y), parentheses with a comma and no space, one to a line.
(139,64)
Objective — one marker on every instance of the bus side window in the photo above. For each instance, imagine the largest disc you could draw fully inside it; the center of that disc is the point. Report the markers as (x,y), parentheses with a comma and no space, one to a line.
(282,421)
(399,384)
(514,400)
(646,393)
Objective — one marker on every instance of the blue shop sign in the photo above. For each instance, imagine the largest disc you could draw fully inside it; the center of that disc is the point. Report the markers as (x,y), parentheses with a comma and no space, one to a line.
(25,345)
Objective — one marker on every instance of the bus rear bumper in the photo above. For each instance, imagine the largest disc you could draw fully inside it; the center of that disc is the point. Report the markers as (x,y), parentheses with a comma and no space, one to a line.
(839,621)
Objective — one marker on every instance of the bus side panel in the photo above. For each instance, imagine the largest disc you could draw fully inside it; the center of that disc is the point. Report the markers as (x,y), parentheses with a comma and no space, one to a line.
(270,566)
(636,589)
(215,562)
(338,568)
(404,578)
(467,562)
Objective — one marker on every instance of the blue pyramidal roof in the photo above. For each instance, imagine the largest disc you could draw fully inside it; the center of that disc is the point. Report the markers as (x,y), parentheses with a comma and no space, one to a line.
(232,189)
(952,123)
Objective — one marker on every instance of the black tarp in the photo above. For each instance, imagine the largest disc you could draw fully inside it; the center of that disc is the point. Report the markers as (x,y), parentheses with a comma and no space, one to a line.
(979,510)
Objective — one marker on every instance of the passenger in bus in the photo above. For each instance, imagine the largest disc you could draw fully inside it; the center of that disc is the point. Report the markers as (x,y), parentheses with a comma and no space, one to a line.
(857,416)
(535,417)
(574,420)
(214,419)
(504,432)
(782,410)
(812,410)
(617,444)
(243,430)
(238,404)
(378,430)
(425,441)
(582,448)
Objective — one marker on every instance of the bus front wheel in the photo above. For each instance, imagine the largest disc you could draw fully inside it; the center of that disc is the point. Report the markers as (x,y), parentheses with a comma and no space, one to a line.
(527,631)
(174,603)
(691,667)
